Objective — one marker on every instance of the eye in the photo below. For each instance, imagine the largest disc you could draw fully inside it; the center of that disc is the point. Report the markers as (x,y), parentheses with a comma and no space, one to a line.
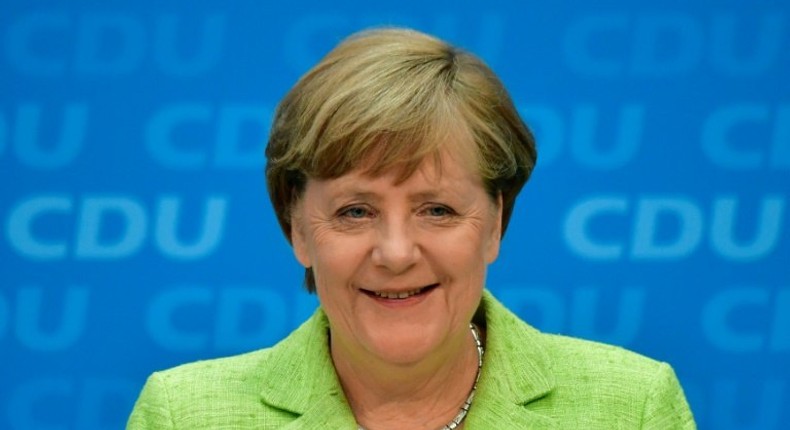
(438,211)
(355,212)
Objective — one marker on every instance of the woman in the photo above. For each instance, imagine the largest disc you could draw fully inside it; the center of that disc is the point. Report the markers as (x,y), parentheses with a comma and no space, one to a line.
(393,167)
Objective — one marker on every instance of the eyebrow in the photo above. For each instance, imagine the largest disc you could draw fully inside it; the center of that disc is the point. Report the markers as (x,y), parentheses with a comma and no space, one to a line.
(356,194)
(374,196)
(351,192)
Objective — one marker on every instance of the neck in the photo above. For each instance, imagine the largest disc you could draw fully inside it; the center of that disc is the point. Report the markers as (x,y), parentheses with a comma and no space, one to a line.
(421,395)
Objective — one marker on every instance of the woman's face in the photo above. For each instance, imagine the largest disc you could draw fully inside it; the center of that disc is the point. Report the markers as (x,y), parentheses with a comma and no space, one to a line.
(399,266)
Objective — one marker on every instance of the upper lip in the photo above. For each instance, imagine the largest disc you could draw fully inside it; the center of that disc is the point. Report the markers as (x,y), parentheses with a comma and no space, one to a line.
(399,290)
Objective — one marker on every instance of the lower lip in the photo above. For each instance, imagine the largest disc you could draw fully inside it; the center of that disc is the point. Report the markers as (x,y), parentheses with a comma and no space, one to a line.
(406,302)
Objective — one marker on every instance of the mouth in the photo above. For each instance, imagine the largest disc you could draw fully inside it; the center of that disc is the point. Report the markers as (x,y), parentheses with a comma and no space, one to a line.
(400,295)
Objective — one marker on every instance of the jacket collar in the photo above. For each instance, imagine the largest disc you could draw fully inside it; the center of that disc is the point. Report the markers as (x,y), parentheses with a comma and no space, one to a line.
(299,377)
(516,372)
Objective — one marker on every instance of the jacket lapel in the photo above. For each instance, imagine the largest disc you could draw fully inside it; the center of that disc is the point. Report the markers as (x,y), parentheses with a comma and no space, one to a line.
(299,377)
(516,373)
(328,412)
(498,414)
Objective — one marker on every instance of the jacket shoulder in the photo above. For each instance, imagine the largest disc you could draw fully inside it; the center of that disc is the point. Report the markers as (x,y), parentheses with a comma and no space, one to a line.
(204,374)
(584,384)
(230,392)
(604,382)
(579,356)
(206,394)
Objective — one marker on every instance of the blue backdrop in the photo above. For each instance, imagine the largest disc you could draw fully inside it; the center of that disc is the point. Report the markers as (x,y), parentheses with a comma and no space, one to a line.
(137,233)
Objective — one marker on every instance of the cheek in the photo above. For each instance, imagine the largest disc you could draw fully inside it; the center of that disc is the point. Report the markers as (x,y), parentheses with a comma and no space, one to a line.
(335,259)
(463,255)
(315,244)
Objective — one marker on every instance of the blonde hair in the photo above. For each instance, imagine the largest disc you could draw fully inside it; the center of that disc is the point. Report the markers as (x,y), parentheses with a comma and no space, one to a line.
(394,96)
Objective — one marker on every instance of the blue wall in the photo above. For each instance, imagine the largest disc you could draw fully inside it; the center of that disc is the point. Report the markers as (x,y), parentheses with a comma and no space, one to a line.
(137,234)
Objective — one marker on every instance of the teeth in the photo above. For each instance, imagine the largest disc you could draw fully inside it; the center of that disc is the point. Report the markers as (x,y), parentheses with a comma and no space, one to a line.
(401,295)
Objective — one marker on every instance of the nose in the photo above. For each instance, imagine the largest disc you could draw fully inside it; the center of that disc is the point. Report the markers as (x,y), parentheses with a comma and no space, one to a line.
(396,248)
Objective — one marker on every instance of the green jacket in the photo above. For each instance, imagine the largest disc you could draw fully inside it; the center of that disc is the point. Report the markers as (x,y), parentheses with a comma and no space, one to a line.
(529,380)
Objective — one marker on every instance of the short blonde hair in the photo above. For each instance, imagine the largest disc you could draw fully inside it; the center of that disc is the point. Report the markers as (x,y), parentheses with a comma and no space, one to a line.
(394,96)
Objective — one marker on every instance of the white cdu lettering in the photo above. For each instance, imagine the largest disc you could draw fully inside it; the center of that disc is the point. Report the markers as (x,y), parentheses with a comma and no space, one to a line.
(728,149)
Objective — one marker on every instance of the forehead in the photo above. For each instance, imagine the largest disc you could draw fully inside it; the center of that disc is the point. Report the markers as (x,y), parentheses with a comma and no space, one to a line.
(447,170)
(388,144)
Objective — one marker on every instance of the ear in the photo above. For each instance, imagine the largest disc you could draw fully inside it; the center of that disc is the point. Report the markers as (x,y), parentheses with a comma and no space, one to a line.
(495,238)
(298,240)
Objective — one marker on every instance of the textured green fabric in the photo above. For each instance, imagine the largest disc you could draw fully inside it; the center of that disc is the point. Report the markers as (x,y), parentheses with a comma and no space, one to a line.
(529,380)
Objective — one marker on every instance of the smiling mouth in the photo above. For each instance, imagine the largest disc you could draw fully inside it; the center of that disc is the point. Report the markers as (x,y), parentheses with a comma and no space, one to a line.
(400,295)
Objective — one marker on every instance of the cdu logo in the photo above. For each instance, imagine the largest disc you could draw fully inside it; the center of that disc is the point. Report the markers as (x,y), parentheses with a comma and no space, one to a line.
(111,227)
(644,239)
(748,136)
(45,320)
(594,137)
(725,327)
(663,44)
(229,126)
(583,313)
(311,35)
(110,44)
(235,318)
(26,131)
